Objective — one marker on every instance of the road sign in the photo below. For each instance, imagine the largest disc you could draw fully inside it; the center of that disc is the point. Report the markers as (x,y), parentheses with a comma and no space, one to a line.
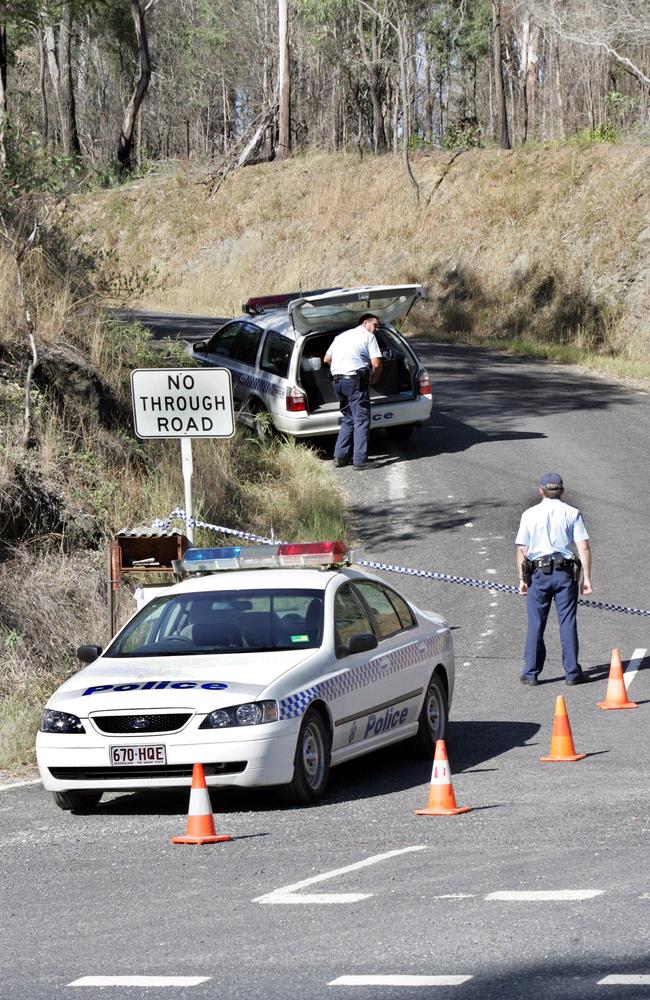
(182,402)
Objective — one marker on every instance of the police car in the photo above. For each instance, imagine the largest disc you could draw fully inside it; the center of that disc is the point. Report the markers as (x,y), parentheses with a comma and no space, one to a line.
(269,675)
(275,356)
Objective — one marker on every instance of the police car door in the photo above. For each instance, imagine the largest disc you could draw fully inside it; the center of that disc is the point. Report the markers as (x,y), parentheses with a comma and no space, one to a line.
(404,663)
(364,688)
(235,347)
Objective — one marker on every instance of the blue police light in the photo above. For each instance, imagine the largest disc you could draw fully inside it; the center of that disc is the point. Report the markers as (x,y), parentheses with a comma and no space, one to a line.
(201,555)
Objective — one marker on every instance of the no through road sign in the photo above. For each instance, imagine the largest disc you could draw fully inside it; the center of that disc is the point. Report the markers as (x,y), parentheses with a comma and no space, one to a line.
(182,403)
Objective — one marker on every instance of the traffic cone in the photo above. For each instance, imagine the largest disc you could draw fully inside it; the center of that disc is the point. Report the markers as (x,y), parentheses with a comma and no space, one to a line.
(442,801)
(562,748)
(616,694)
(200,821)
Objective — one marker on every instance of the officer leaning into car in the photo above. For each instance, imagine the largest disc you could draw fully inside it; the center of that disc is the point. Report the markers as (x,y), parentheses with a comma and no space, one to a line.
(549,571)
(355,363)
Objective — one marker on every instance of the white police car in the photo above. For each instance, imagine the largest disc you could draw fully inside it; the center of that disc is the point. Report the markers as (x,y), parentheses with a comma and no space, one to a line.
(275,352)
(266,676)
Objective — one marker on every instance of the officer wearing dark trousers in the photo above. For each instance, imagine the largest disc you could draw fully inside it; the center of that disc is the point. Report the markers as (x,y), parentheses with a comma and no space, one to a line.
(355,362)
(549,571)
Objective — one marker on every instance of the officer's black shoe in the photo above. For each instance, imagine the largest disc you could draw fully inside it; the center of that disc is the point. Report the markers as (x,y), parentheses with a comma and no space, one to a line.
(578,680)
(361,466)
(340,462)
(530,681)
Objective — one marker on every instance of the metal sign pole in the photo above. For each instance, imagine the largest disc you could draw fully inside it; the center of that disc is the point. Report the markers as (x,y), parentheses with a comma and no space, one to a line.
(186,460)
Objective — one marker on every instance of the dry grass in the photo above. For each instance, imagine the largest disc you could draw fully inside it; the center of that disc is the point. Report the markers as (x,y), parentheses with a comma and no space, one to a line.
(570,214)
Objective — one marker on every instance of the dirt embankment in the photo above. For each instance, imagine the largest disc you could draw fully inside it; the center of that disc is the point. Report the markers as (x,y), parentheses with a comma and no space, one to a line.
(540,244)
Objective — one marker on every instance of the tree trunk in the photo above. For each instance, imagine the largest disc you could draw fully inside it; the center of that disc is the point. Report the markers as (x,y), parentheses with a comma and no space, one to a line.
(69,133)
(284,83)
(503,137)
(125,143)
(428,105)
(3,95)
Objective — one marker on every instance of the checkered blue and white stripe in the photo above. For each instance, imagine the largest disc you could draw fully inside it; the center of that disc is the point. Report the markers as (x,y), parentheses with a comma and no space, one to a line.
(408,655)
(466,581)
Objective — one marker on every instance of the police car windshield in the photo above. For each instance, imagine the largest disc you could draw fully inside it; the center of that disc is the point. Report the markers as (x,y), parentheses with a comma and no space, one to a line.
(238,621)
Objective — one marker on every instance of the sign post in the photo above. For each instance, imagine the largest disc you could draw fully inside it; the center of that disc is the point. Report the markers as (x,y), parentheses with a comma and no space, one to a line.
(183,403)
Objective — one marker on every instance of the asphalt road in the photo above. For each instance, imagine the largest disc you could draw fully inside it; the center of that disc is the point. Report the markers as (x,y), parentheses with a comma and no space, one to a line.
(108,895)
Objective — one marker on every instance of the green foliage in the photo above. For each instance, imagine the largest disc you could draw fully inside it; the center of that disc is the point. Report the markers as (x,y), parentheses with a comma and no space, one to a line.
(463,136)
(605,132)
(31,169)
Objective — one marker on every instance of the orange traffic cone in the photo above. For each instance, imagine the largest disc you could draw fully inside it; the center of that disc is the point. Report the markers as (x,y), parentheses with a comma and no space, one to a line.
(562,748)
(616,694)
(200,821)
(442,801)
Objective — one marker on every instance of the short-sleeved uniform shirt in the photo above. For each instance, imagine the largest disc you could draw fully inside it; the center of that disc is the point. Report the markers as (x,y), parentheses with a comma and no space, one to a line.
(551,526)
(351,350)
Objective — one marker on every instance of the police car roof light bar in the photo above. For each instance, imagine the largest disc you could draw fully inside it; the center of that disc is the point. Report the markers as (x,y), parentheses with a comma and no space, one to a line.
(209,560)
(259,303)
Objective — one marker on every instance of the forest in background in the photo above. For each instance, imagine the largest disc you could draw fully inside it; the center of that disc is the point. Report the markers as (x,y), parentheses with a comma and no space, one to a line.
(123,83)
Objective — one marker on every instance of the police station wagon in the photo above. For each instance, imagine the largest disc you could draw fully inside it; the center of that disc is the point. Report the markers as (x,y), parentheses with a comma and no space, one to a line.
(275,356)
(268,675)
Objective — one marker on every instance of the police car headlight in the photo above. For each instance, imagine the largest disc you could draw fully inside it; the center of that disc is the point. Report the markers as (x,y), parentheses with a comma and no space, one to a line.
(60,722)
(253,713)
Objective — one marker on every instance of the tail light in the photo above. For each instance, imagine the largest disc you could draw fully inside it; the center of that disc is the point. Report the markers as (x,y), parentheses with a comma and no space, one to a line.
(296,400)
(424,383)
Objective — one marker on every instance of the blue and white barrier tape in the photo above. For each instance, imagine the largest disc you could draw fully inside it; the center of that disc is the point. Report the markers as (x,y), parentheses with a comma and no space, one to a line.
(466,581)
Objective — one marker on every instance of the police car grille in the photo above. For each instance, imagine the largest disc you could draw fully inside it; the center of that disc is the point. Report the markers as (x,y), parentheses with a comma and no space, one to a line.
(142,771)
(123,724)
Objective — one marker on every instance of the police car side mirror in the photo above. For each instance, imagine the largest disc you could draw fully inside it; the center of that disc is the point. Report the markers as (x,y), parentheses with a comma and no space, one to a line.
(361,642)
(199,347)
(88,654)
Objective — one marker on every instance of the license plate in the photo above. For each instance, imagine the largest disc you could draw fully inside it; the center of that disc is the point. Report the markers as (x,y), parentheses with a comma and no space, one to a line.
(127,756)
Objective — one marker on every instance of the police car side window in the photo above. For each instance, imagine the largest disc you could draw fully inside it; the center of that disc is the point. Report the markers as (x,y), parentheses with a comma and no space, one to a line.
(224,340)
(246,343)
(276,354)
(349,618)
(406,616)
(381,608)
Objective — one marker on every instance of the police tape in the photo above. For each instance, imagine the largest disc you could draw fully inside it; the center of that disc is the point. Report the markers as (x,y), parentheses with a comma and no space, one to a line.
(466,581)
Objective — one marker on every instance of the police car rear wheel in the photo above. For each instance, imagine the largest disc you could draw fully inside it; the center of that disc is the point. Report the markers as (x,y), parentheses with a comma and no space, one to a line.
(79,802)
(311,764)
(433,718)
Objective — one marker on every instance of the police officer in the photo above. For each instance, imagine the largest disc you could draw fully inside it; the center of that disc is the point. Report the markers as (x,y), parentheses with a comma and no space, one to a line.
(549,571)
(355,363)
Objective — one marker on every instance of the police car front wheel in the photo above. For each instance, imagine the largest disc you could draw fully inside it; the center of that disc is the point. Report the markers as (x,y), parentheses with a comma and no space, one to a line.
(432,723)
(311,764)
(77,801)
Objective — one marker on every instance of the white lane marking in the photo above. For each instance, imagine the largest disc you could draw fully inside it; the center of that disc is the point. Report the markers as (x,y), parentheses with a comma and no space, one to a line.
(634,666)
(634,980)
(544,895)
(20,784)
(491,571)
(280,895)
(141,981)
(399,981)
(469,524)
(396,482)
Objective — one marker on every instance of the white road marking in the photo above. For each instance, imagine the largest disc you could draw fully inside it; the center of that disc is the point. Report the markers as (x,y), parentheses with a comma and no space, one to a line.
(491,571)
(20,784)
(469,524)
(634,980)
(396,482)
(144,982)
(399,981)
(633,666)
(544,895)
(456,895)
(286,893)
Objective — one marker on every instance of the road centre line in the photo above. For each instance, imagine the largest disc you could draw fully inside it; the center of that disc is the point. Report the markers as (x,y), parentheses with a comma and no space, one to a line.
(633,666)
(399,981)
(543,895)
(633,980)
(20,784)
(286,894)
(144,982)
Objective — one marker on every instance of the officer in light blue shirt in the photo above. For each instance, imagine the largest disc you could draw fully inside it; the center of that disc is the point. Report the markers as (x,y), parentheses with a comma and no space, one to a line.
(354,358)
(549,572)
